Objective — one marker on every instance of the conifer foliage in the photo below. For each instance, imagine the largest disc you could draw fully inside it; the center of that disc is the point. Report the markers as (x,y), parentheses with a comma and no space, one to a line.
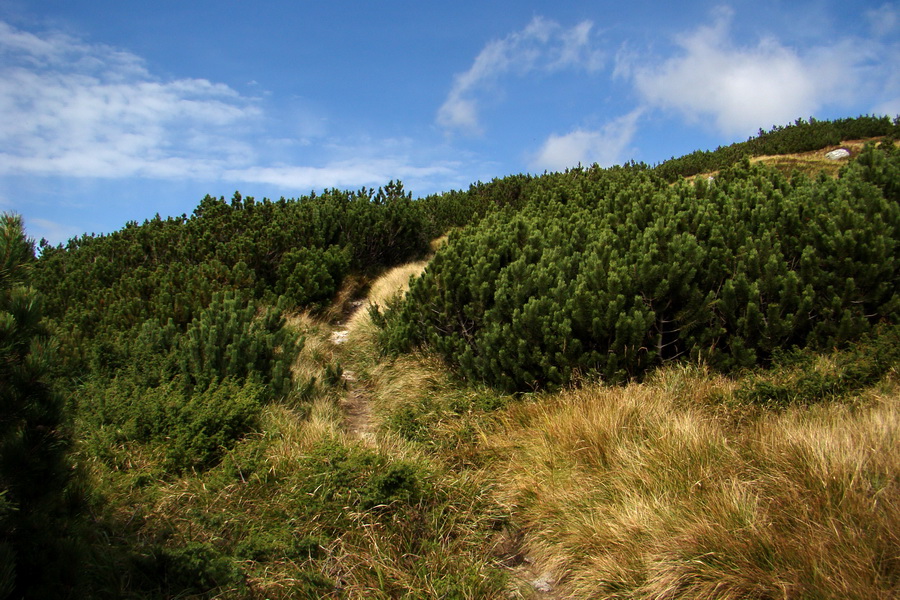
(196,392)
(615,273)
(229,340)
(35,559)
(800,136)
(172,330)
(296,251)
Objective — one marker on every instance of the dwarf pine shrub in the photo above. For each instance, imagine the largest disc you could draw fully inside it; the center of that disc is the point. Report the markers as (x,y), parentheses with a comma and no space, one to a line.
(616,274)
(229,339)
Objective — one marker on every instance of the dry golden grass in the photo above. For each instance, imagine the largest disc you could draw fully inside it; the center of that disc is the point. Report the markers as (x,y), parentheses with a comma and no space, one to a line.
(343,302)
(814,162)
(645,492)
(293,435)
(394,282)
(318,351)
(438,242)
(403,380)
(669,489)
(361,330)
(809,163)
(390,285)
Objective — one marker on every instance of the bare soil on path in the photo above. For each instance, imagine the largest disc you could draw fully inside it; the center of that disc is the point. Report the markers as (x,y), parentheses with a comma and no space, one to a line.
(357,406)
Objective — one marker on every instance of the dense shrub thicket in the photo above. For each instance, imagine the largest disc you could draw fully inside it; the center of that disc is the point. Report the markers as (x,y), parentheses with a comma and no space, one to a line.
(613,274)
(297,250)
(801,136)
(459,208)
(193,393)
(172,340)
(170,335)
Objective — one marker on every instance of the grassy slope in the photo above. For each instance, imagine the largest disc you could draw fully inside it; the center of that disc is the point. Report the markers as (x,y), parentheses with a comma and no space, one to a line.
(674,488)
(809,163)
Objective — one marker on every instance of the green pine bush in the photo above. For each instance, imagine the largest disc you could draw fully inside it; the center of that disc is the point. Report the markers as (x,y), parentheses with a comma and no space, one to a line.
(195,570)
(230,340)
(612,274)
(38,496)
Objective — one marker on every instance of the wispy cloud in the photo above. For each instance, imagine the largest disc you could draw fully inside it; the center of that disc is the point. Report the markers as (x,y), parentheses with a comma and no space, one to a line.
(77,109)
(543,45)
(342,173)
(884,20)
(740,88)
(38,229)
(606,146)
(362,160)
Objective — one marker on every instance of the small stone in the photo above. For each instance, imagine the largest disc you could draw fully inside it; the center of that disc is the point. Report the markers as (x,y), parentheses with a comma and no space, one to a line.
(543,584)
(339,337)
(838,154)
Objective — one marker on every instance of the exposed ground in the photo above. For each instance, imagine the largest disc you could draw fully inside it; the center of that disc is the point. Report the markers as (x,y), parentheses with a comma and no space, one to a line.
(357,406)
(527,580)
(356,398)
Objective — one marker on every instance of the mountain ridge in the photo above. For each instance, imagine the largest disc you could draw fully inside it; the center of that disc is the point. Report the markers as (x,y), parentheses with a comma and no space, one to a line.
(220,444)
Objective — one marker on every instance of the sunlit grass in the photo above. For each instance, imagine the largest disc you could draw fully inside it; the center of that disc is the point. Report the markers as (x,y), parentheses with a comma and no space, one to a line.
(317,353)
(672,488)
(808,163)
(644,492)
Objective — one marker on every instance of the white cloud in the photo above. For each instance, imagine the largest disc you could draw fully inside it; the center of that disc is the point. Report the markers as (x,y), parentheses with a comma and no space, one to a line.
(606,146)
(76,109)
(342,173)
(542,46)
(743,88)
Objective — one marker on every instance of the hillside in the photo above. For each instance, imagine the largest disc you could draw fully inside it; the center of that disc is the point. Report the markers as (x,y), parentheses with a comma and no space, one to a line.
(604,383)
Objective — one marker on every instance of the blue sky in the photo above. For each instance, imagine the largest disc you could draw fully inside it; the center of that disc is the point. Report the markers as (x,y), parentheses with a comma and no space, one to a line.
(116,110)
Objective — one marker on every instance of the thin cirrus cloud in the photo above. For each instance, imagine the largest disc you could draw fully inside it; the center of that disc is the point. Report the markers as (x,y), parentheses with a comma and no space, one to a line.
(52,230)
(543,45)
(884,19)
(738,89)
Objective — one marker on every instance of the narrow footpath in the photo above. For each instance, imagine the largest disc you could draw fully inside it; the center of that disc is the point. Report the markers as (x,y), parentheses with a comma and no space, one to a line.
(356,400)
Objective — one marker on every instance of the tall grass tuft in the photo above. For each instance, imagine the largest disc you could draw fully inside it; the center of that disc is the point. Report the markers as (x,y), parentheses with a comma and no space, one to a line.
(361,347)
(648,492)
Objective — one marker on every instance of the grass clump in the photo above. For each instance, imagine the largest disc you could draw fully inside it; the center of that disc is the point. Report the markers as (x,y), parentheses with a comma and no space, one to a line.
(645,492)
(302,510)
